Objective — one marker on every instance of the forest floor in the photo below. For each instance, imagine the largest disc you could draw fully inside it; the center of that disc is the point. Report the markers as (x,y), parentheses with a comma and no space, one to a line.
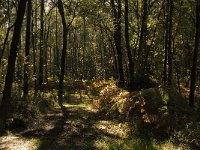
(83,128)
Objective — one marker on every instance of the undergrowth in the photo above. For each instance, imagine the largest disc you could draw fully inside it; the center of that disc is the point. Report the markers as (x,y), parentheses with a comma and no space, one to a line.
(159,113)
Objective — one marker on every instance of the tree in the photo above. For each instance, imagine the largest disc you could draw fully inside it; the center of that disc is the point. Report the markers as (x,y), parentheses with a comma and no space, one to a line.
(195,55)
(143,37)
(168,42)
(130,59)
(27,49)
(64,50)
(170,55)
(41,67)
(5,103)
(117,37)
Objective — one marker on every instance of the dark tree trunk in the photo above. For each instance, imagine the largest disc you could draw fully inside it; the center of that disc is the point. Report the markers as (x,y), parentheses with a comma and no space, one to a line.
(117,37)
(41,67)
(195,55)
(130,64)
(143,35)
(64,51)
(170,43)
(27,50)
(5,103)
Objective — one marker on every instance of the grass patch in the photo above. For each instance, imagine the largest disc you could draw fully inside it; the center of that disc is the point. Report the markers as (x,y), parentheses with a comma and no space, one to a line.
(134,143)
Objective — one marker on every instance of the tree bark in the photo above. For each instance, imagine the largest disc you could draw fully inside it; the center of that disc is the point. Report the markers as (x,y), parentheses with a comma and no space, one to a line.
(170,43)
(117,37)
(195,56)
(5,103)
(130,64)
(27,49)
(41,67)
(143,35)
(64,51)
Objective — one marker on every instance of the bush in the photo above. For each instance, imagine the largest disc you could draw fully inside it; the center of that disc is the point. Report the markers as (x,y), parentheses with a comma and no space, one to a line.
(160,110)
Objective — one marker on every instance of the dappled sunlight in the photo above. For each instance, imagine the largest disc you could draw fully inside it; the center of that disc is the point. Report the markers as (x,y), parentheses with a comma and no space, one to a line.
(17,142)
(99,75)
(105,117)
(106,143)
(113,127)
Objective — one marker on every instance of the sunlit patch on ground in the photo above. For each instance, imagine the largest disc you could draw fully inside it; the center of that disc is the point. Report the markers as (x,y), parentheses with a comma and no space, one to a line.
(14,142)
(113,127)
(83,128)
(106,143)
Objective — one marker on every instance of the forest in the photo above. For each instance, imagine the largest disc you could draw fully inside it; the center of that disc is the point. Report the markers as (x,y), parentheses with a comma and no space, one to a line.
(99,74)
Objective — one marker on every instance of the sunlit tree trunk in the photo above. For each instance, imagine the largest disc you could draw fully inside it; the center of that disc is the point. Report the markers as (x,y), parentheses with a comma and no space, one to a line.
(57,51)
(34,45)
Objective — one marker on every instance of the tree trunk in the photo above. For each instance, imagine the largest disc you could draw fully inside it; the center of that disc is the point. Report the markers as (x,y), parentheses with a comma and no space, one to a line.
(5,103)
(4,43)
(195,55)
(27,50)
(117,37)
(34,44)
(170,43)
(64,50)
(143,35)
(41,67)
(130,64)
(57,51)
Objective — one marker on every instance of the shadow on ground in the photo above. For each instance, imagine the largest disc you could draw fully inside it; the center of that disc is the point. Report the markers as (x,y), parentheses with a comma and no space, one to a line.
(75,131)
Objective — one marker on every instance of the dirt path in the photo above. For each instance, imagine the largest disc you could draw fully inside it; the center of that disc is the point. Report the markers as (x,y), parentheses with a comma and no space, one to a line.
(82,129)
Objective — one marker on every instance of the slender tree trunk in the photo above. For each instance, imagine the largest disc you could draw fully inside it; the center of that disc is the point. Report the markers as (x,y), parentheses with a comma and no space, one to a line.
(5,103)
(41,67)
(170,43)
(143,35)
(195,56)
(117,37)
(84,48)
(64,51)
(130,64)
(57,62)
(34,44)
(27,49)
(47,26)
(4,43)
